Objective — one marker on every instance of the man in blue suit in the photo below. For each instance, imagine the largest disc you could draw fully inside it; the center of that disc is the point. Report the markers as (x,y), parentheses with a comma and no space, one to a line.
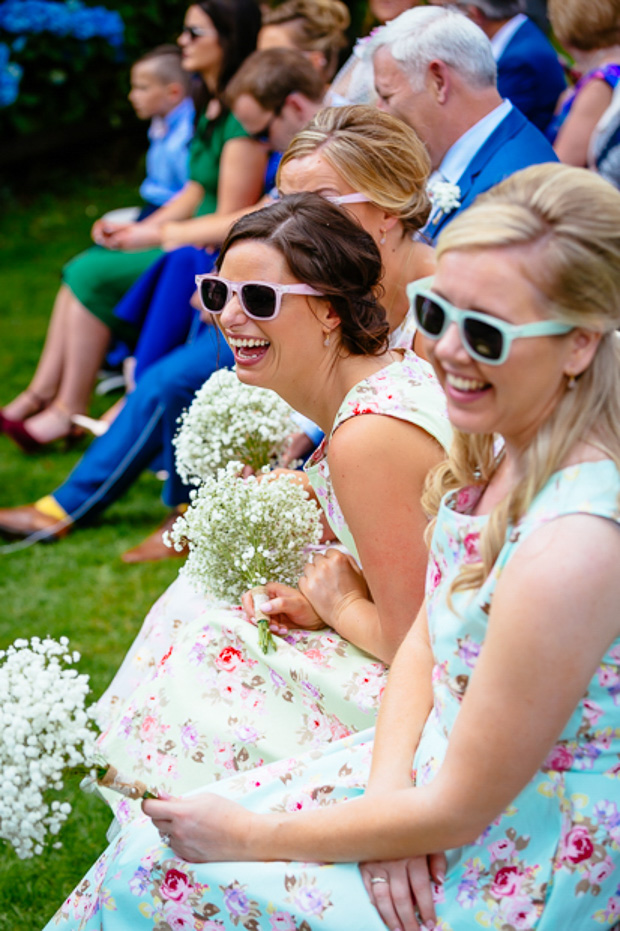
(529,73)
(435,70)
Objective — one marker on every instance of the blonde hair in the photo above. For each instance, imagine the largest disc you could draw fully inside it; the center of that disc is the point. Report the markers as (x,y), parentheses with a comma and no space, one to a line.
(585,24)
(316,26)
(571,218)
(375,153)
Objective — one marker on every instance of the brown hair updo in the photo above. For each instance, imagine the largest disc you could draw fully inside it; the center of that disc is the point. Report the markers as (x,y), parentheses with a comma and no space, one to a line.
(324,248)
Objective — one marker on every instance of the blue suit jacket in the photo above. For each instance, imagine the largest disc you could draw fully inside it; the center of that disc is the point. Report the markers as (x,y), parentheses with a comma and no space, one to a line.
(515,144)
(530,75)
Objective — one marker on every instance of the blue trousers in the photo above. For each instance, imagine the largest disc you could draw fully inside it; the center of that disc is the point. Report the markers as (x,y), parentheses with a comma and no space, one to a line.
(157,305)
(144,429)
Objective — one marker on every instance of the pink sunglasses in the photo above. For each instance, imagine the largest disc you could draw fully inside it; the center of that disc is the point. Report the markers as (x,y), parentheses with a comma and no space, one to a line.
(260,300)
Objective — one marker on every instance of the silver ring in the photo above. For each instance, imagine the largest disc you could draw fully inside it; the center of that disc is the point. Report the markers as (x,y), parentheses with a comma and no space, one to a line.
(378,879)
(165,839)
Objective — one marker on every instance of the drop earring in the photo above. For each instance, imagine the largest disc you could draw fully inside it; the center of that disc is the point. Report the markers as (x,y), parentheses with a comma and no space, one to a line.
(572,382)
(327,338)
(383,240)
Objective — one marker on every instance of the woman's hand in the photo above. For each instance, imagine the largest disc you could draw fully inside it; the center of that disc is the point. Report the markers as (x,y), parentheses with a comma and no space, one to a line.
(202,827)
(405,899)
(331,582)
(133,237)
(287,609)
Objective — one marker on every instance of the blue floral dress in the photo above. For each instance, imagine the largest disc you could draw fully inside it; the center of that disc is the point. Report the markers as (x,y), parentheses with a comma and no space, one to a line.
(549,862)
(196,700)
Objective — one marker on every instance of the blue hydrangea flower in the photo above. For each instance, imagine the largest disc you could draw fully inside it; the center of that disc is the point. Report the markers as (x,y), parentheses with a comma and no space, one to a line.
(10,76)
(62,19)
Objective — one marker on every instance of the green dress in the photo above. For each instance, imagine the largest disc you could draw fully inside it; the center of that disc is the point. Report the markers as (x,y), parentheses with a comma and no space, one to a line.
(100,277)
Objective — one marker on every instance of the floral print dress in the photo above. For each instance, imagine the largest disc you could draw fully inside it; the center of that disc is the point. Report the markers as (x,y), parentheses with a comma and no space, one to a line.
(196,700)
(550,861)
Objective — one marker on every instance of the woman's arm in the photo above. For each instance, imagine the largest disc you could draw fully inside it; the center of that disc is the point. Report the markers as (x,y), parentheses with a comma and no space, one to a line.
(147,233)
(573,139)
(553,617)
(240,183)
(203,232)
(383,462)
(405,706)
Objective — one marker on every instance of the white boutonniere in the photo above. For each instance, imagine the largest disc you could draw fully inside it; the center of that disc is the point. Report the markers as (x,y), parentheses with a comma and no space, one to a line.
(444,196)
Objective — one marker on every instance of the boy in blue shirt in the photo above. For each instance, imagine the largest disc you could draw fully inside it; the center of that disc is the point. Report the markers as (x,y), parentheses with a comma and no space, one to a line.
(159,92)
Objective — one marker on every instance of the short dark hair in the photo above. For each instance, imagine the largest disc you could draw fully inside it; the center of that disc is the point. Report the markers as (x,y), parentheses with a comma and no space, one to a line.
(325,248)
(271,75)
(166,63)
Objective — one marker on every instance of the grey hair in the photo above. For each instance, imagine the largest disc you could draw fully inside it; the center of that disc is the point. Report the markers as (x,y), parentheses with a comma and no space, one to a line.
(495,9)
(426,33)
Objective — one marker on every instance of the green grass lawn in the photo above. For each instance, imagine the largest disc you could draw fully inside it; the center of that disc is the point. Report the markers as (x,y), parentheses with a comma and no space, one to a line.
(79,586)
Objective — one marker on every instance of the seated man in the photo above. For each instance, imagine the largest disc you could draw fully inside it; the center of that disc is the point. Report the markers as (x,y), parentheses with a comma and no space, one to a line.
(529,73)
(435,70)
(145,426)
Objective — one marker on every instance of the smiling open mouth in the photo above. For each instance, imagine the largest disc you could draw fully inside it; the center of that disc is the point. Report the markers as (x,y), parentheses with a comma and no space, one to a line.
(248,350)
(465,384)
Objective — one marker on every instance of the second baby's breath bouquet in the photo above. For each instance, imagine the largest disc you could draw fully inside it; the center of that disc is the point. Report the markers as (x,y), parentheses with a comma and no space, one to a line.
(227,421)
(46,733)
(245,532)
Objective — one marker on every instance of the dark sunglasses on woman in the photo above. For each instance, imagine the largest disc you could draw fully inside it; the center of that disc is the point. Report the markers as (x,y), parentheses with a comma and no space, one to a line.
(485,338)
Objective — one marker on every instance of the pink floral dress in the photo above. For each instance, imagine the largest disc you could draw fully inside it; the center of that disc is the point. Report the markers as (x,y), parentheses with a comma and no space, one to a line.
(549,862)
(196,700)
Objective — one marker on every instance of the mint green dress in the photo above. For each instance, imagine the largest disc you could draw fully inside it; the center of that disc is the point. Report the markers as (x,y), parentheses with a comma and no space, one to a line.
(196,700)
(100,277)
(549,862)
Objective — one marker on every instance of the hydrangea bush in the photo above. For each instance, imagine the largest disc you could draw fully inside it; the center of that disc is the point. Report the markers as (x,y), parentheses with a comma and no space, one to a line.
(45,727)
(244,532)
(227,421)
(66,64)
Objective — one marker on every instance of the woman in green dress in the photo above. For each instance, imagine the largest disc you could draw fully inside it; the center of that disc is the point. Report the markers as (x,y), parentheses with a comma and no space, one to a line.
(226,174)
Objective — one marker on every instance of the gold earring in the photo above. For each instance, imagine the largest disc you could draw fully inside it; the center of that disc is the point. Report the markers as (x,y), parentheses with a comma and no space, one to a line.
(327,338)
(383,240)
(572,382)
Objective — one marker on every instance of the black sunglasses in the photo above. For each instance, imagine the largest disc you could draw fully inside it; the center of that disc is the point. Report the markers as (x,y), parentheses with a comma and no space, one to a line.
(263,134)
(197,32)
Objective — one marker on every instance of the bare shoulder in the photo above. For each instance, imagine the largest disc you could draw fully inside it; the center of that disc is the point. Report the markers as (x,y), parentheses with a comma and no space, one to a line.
(380,438)
(566,570)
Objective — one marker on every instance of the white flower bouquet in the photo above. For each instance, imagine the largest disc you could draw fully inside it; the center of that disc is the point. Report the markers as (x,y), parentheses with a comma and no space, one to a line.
(45,727)
(244,532)
(228,420)
(46,731)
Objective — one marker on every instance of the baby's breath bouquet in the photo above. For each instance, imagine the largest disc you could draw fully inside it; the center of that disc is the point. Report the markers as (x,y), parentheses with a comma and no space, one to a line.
(228,420)
(45,727)
(46,731)
(244,532)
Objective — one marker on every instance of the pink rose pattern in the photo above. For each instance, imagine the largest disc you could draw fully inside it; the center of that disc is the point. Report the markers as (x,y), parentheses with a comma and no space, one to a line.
(210,704)
(551,859)
(511,878)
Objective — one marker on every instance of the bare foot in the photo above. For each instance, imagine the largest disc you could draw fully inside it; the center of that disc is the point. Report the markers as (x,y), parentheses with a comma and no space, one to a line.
(25,405)
(54,423)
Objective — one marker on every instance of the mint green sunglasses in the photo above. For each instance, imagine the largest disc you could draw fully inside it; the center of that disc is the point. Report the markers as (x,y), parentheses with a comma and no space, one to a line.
(487,339)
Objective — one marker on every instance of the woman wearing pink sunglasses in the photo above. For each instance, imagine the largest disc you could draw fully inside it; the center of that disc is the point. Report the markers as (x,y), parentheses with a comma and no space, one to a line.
(298,303)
